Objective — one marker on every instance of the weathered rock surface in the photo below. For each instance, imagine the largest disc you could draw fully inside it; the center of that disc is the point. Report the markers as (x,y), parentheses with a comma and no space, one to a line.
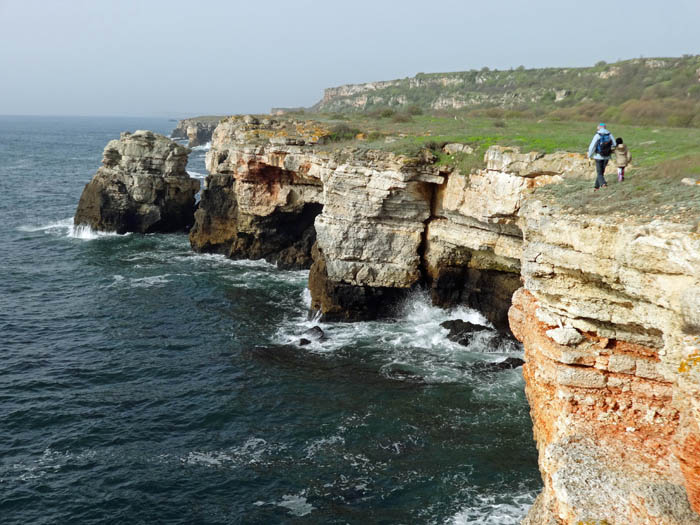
(198,130)
(610,319)
(141,187)
(261,198)
(473,242)
(388,223)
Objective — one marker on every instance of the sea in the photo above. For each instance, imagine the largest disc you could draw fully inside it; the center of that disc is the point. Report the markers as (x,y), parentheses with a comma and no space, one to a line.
(141,382)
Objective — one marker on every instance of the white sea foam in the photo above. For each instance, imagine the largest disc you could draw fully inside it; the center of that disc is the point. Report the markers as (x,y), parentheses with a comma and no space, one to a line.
(203,147)
(50,461)
(415,346)
(196,174)
(66,228)
(502,509)
(252,452)
(140,282)
(296,504)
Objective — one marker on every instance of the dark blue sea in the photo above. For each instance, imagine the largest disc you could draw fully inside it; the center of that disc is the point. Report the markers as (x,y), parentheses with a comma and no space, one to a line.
(143,383)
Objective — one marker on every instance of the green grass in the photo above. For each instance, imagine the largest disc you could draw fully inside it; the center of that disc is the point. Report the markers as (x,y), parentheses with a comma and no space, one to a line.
(652,191)
(649,145)
(662,156)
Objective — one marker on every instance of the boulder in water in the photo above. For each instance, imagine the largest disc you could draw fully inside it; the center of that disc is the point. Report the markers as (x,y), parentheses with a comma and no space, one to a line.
(462,331)
(142,187)
(315,333)
(506,364)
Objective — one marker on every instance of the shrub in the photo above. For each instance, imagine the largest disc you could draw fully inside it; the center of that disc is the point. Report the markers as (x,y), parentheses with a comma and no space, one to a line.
(342,132)
(386,113)
(401,117)
(414,109)
(499,124)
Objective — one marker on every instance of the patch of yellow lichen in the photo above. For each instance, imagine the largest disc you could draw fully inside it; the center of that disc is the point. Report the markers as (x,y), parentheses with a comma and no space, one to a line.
(690,362)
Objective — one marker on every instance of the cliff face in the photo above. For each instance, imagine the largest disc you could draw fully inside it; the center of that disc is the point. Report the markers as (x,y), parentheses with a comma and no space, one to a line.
(609,315)
(198,130)
(382,223)
(142,187)
(608,308)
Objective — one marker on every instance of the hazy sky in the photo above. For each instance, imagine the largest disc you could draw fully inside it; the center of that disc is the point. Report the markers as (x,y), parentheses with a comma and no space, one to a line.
(178,58)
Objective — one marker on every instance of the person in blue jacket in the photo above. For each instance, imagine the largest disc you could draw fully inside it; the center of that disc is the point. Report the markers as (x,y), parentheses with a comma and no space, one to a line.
(601,148)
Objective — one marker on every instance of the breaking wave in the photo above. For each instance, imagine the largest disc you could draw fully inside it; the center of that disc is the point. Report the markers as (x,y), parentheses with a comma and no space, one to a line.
(66,228)
(203,147)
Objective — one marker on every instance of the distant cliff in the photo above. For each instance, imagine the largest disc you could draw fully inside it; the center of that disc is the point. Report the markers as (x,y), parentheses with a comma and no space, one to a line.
(654,90)
(197,130)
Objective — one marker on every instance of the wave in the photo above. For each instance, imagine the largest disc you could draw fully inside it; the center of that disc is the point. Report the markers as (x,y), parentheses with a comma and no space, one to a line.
(66,228)
(141,282)
(414,345)
(203,147)
(196,174)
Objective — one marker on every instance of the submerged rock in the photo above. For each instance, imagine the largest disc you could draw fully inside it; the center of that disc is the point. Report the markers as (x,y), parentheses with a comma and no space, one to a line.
(141,187)
(315,333)
(507,364)
(462,331)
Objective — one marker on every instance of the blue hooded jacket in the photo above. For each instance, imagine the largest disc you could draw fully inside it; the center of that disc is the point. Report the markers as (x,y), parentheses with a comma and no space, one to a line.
(594,143)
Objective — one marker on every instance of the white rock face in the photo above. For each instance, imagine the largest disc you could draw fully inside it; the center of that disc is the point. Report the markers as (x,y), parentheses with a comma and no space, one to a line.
(142,187)
(388,221)
(565,336)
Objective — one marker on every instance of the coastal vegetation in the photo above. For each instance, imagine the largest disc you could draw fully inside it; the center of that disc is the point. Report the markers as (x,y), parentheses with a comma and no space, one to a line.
(643,91)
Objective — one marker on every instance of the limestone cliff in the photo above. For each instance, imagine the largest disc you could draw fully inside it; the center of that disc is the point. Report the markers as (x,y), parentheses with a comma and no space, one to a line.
(142,187)
(609,315)
(382,223)
(608,308)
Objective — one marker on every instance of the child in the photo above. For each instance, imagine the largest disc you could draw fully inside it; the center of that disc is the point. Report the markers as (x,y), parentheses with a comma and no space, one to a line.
(622,158)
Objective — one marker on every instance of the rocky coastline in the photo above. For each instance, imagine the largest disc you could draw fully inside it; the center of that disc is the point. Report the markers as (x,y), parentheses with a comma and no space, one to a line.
(197,130)
(608,313)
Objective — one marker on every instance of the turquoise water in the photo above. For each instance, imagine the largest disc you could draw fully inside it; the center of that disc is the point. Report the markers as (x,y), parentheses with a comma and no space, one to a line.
(144,383)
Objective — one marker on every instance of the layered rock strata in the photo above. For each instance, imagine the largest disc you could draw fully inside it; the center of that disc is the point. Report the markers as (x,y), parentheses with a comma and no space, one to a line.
(262,196)
(609,315)
(197,130)
(473,242)
(142,186)
(383,223)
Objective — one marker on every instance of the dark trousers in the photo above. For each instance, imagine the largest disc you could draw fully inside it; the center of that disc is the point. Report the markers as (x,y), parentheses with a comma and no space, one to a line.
(600,168)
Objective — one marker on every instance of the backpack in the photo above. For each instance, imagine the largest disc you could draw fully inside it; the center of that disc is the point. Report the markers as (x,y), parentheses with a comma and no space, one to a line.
(604,146)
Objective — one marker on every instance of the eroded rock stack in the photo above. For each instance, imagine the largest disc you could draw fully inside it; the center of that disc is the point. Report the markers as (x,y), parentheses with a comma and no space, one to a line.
(610,319)
(198,130)
(141,187)
(263,194)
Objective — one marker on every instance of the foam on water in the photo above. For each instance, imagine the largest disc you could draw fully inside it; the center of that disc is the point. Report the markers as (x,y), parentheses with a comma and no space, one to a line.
(66,228)
(500,509)
(413,344)
(203,147)
(196,174)
(253,452)
(297,504)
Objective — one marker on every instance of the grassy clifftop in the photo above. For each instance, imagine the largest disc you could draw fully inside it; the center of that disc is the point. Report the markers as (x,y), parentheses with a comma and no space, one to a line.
(650,91)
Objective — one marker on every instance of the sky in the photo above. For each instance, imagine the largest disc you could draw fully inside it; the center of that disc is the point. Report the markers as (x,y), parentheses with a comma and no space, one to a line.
(176,58)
